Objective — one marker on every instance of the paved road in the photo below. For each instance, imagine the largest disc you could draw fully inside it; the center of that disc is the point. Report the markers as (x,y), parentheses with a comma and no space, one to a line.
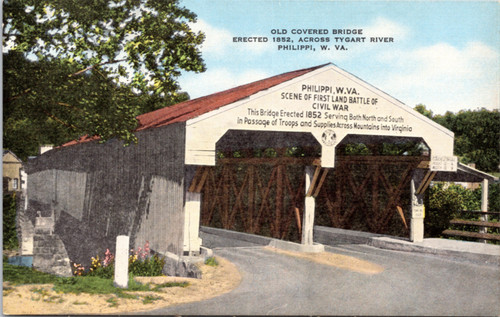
(411,284)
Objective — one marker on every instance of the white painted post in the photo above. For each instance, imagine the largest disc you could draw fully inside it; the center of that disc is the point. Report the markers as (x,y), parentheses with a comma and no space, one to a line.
(309,206)
(417,214)
(484,196)
(484,205)
(121,262)
(192,207)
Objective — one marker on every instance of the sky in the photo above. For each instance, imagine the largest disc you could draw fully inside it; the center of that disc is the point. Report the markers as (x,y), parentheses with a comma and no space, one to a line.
(443,54)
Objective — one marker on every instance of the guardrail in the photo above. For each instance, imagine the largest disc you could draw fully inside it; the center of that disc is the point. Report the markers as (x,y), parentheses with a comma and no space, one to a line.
(482,225)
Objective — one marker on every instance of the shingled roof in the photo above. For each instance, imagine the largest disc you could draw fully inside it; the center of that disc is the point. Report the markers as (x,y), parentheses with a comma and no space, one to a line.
(186,110)
(189,109)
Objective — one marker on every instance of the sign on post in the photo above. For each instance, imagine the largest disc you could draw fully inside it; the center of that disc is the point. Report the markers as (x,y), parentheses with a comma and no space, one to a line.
(418,211)
(444,163)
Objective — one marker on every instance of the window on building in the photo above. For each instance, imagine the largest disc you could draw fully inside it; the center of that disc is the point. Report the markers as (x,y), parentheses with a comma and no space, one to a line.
(15,183)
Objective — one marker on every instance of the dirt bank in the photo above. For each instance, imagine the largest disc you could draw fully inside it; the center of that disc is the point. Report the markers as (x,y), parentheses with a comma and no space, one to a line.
(41,299)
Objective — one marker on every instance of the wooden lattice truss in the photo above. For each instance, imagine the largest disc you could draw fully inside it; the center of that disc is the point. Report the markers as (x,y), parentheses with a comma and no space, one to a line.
(266,195)
(372,186)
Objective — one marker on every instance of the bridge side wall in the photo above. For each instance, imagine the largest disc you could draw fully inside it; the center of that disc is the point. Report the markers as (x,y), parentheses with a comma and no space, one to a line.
(96,192)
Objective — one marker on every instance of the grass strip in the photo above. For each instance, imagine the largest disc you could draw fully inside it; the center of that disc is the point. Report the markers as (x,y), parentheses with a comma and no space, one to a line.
(18,275)
(150,299)
(172,284)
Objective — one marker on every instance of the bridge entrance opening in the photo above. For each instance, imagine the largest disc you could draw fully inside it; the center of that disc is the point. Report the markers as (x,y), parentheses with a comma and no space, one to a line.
(258,184)
(369,188)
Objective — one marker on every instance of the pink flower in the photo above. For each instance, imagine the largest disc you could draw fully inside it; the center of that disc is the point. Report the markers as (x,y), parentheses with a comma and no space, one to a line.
(108,259)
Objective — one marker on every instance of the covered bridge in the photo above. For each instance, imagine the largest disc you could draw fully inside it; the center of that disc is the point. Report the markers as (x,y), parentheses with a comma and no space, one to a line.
(267,157)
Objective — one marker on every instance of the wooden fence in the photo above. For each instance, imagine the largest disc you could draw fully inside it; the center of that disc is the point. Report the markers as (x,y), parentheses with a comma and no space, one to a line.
(482,229)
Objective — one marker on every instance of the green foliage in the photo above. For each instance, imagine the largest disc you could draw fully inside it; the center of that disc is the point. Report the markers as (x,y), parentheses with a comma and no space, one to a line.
(43,294)
(40,291)
(93,67)
(25,275)
(446,201)
(477,135)
(443,203)
(19,275)
(93,285)
(270,152)
(112,301)
(470,198)
(493,196)
(211,261)
(293,151)
(149,266)
(171,284)
(9,222)
(106,272)
(357,149)
(149,38)
(423,110)
(410,148)
(148,299)
(104,269)
(140,263)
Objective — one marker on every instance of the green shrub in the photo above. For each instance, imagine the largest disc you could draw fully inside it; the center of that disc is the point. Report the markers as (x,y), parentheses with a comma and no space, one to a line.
(211,261)
(104,269)
(493,197)
(140,263)
(9,222)
(443,203)
(106,272)
(149,266)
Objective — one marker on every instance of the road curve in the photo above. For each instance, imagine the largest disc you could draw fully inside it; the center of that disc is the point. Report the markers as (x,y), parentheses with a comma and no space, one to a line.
(411,284)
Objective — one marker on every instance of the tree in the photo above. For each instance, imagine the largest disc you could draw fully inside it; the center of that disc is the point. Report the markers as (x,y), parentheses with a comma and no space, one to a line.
(9,222)
(89,67)
(57,109)
(423,110)
(477,135)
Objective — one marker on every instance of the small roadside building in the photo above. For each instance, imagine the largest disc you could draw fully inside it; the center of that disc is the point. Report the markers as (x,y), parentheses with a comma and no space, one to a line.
(258,158)
(12,168)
